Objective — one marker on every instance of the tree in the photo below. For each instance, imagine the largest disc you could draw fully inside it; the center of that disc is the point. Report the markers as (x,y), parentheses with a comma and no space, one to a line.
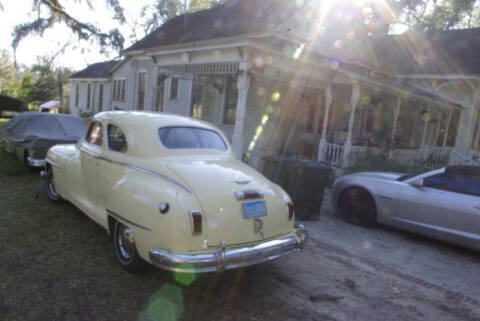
(429,14)
(162,10)
(52,12)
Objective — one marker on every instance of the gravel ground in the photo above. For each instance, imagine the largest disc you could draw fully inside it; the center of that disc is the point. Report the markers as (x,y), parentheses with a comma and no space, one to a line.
(56,264)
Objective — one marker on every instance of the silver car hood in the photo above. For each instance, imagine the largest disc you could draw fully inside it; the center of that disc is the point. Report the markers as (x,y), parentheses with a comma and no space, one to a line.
(388,176)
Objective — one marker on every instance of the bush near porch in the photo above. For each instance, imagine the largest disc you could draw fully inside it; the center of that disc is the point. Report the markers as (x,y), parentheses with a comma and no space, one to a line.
(381,163)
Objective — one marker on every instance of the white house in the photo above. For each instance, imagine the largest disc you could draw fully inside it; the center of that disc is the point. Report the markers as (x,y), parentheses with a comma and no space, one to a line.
(274,80)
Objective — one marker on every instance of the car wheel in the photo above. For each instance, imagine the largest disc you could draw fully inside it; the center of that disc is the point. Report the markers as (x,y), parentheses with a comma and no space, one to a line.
(357,206)
(51,191)
(126,250)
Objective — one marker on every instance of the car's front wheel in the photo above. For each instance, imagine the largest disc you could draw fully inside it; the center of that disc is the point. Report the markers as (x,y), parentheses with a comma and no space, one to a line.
(357,206)
(51,191)
(126,250)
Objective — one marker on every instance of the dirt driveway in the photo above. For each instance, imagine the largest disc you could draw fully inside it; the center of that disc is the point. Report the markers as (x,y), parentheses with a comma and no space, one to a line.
(56,264)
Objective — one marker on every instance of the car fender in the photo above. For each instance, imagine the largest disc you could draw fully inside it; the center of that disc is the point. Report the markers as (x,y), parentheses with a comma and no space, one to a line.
(134,200)
(57,160)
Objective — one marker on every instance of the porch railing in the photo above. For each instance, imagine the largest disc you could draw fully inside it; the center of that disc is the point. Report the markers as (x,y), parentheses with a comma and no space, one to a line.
(357,153)
(458,158)
(333,154)
(431,156)
(436,156)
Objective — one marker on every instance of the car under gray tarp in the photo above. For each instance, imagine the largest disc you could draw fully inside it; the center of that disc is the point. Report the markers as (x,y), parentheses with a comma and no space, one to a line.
(43,130)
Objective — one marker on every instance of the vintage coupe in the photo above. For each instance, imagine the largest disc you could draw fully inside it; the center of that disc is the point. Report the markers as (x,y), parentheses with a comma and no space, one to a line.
(171,192)
(444,203)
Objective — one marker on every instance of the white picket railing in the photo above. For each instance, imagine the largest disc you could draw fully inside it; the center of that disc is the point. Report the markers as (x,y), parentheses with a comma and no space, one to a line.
(458,158)
(436,156)
(406,156)
(432,156)
(357,153)
(333,154)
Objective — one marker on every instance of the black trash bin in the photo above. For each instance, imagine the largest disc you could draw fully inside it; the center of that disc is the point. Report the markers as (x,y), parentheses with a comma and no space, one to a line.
(275,169)
(306,184)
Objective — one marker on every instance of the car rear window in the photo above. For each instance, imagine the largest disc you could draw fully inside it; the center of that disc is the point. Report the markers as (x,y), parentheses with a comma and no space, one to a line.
(191,138)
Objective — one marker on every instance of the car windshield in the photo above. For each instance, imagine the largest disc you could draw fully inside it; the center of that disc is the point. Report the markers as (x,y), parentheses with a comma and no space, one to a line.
(191,138)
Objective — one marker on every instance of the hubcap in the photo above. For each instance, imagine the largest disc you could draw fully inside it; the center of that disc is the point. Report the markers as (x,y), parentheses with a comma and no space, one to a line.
(126,243)
(51,186)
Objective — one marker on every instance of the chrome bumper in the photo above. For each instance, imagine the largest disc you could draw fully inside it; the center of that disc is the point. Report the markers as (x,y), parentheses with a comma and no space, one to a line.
(35,162)
(226,259)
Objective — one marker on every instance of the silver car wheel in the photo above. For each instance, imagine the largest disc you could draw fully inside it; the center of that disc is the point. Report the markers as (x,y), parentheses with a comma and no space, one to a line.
(126,243)
(51,191)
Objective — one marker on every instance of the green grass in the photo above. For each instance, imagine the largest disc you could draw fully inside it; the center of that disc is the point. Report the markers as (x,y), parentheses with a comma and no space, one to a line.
(57,264)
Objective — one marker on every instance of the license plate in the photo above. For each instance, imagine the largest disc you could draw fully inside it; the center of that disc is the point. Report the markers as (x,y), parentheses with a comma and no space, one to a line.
(254,209)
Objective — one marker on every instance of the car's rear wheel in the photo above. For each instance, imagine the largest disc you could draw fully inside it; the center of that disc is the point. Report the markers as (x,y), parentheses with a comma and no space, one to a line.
(51,191)
(357,206)
(126,250)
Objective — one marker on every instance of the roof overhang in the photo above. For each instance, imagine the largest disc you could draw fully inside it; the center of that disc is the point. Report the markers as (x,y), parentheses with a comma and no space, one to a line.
(439,76)
(216,43)
(89,79)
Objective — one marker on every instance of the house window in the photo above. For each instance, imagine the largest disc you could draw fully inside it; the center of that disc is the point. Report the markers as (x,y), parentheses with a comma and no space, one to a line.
(160,92)
(89,95)
(77,89)
(173,88)
(141,91)
(119,90)
(197,103)
(231,97)
(100,97)
(122,93)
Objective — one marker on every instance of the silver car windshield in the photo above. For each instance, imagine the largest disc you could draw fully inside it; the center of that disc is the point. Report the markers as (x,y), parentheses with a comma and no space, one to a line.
(191,138)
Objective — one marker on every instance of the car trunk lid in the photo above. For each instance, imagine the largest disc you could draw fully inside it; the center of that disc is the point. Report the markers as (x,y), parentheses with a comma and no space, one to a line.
(223,186)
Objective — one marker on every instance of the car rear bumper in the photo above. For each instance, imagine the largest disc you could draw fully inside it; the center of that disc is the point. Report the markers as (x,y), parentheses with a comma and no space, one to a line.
(35,162)
(226,259)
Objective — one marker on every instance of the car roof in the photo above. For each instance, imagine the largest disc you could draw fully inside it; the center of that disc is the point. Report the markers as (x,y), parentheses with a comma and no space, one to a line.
(144,119)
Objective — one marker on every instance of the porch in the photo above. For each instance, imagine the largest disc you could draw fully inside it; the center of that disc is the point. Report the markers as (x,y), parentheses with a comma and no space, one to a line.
(271,100)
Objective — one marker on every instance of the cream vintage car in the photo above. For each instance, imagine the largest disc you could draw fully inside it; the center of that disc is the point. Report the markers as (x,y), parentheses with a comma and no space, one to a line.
(171,192)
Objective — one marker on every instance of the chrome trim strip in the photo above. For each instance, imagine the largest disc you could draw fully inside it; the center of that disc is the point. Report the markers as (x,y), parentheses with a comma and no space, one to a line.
(35,162)
(223,258)
(242,195)
(52,163)
(139,169)
(128,221)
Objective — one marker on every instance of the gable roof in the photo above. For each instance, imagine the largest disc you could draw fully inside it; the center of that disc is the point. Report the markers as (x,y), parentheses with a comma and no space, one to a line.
(232,18)
(438,52)
(96,70)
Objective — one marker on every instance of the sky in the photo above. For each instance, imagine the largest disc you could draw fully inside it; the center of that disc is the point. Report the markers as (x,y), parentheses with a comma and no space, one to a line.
(79,54)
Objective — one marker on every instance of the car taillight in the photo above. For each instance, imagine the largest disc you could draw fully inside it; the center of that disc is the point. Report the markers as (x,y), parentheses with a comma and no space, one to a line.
(196,217)
(291,210)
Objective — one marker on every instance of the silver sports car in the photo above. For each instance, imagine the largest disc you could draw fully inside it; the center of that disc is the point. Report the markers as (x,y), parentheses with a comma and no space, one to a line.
(444,203)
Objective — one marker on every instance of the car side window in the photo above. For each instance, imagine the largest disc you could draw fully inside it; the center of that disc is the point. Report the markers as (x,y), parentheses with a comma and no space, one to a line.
(95,134)
(454,183)
(117,141)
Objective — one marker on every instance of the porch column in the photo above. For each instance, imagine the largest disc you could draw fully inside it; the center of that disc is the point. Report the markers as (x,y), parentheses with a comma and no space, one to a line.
(465,128)
(153,92)
(322,147)
(439,128)
(425,128)
(243,83)
(447,129)
(396,113)
(347,147)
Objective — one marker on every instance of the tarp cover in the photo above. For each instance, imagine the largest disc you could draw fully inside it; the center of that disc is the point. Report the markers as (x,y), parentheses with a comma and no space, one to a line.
(43,130)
